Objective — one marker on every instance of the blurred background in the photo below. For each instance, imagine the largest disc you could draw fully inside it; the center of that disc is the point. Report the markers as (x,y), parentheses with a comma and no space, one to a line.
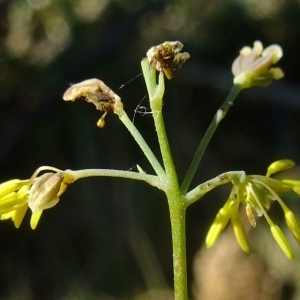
(110,238)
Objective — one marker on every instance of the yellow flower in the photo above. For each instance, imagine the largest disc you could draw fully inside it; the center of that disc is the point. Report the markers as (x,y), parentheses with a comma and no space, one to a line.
(257,193)
(252,66)
(38,192)
(228,212)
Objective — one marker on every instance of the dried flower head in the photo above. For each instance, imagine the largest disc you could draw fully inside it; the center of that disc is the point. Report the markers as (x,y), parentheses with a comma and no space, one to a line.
(98,93)
(166,57)
(252,66)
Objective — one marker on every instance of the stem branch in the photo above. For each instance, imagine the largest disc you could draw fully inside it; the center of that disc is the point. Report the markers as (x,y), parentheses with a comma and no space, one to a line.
(143,145)
(203,188)
(151,179)
(220,114)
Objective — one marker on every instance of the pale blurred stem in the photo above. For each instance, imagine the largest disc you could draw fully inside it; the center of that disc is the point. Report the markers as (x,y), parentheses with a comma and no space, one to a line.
(237,177)
(143,145)
(220,114)
(151,179)
(170,184)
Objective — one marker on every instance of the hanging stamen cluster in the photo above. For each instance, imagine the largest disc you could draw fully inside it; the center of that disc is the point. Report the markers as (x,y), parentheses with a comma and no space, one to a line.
(257,193)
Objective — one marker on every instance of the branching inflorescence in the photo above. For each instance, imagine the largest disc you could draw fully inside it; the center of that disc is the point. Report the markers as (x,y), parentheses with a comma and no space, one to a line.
(253,67)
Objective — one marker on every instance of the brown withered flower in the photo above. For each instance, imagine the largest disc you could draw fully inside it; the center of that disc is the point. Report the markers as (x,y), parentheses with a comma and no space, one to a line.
(97,92)
(166,57)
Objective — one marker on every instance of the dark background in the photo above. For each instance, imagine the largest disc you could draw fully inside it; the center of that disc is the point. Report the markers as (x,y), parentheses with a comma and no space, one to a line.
(111,236)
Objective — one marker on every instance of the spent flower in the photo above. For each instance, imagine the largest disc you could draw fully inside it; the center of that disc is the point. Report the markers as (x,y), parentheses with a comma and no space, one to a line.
(97,92)
(257,193)
(253,66)
(166,57)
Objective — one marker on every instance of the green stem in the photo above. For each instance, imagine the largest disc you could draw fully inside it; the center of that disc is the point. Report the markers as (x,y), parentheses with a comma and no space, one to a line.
(143,145)
(151,179)
(177,212)
(156,102)
(177,215)
(171,186)
(149,76)
(220,114)
(164,147)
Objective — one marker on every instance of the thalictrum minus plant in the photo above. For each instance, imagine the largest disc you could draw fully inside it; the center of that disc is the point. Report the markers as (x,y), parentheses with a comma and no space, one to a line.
(253,67)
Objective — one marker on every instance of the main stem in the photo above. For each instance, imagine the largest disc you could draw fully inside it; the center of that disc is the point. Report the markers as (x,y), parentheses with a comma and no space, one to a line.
(170,183)
(177,211)
(177,216)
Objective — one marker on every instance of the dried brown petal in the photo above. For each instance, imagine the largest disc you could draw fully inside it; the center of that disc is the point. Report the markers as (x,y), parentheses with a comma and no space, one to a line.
(96,92)
(167,57)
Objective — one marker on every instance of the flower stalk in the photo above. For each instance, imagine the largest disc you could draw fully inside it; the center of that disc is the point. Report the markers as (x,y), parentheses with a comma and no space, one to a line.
(143,145)
(220,114)
(255,192)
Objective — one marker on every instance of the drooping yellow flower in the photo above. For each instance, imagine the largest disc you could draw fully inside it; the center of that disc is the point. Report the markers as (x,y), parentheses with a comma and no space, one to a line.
(257,193)
(37,193)
(253,66)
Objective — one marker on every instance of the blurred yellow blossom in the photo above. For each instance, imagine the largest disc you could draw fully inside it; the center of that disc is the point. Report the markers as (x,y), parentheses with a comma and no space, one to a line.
(252,66)
(257,193)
